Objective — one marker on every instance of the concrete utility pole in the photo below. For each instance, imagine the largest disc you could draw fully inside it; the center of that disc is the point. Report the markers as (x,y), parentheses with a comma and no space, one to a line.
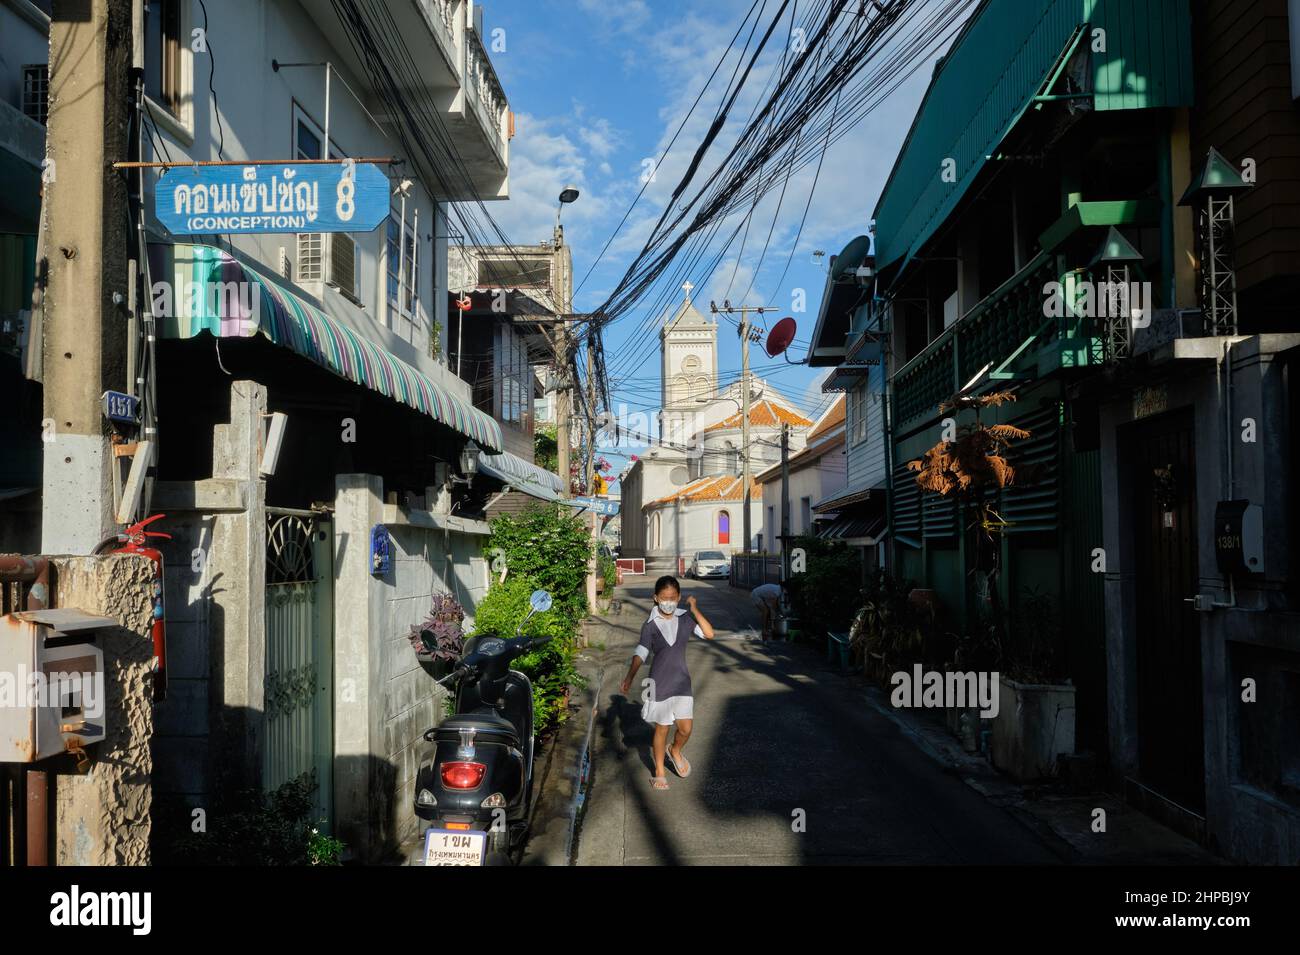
(86,240)
(744,312)
(589,481)
(785,510)
(563,398)
(563,409)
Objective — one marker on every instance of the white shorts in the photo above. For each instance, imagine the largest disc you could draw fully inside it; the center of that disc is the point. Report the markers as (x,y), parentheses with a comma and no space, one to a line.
(666,712)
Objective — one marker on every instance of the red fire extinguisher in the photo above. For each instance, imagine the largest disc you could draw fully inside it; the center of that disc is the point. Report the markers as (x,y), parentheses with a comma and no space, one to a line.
(136,539)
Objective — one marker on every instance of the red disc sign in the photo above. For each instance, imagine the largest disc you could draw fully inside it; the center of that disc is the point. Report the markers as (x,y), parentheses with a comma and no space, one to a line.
(780,337)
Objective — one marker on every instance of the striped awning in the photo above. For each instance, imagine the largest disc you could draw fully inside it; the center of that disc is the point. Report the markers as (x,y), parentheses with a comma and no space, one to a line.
(522,475)
(216,293)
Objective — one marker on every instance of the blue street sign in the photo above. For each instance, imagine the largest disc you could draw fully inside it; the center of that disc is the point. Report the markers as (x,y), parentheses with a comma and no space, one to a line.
(119,407)
(286,197)
(601,506)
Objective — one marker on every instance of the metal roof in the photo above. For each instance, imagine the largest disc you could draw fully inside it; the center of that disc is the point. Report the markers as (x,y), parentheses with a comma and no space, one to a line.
(1140,58)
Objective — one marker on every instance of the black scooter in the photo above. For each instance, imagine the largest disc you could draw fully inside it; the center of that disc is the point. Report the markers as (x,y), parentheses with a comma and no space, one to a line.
(478,789)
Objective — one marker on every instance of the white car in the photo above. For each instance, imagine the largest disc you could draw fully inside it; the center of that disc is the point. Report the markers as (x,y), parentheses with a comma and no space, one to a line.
(710,563)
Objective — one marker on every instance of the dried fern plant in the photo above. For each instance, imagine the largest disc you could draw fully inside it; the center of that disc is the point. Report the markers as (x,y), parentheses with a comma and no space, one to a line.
(972,463)
(970,466)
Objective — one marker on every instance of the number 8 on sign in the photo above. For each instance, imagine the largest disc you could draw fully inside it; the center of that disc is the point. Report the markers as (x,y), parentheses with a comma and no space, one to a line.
(346,207)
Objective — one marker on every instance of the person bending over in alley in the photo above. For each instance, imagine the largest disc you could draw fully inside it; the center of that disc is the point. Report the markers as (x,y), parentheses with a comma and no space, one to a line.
(668,698)
(768,599)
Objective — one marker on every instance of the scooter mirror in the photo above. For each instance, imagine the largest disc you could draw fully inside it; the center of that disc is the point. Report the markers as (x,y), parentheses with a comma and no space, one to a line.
(540,601)
(429,641)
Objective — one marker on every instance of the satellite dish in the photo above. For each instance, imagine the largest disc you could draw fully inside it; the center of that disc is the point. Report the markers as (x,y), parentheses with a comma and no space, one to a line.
(782,334)
(679,476)
(853,255)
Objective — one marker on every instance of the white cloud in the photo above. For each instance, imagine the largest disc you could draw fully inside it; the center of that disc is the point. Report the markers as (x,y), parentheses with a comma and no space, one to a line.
(601,138)
(617,16)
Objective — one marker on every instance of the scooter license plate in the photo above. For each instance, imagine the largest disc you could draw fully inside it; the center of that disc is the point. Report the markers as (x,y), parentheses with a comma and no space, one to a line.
(452,847)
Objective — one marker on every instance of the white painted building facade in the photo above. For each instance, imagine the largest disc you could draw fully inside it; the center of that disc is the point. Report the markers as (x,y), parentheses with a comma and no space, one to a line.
(288,647)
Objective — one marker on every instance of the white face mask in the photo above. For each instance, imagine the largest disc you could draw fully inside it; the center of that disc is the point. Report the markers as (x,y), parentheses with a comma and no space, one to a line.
(667,606)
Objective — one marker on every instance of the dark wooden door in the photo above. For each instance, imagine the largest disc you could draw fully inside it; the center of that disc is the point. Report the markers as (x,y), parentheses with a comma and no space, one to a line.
(1170,729)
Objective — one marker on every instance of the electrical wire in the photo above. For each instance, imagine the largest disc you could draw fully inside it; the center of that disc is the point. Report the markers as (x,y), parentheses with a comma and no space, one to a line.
(794,115)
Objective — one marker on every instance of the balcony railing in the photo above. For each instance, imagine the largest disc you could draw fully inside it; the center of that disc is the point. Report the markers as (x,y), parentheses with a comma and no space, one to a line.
(441,18)
(988,335)
(483,91)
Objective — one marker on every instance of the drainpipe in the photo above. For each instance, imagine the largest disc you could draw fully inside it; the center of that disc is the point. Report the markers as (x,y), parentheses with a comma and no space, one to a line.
(1227,444)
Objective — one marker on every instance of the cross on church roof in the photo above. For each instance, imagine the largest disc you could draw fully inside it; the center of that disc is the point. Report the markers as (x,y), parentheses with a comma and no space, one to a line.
(686,287)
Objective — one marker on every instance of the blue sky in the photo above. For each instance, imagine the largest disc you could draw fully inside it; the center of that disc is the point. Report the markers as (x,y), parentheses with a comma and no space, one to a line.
(599,86)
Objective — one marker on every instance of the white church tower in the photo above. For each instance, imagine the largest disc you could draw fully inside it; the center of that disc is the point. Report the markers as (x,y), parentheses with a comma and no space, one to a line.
(689,372)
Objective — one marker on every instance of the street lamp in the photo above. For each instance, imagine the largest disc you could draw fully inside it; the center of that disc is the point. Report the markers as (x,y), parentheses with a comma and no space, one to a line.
(567,195)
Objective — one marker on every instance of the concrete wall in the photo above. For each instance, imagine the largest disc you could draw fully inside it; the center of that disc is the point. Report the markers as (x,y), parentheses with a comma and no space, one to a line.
(103,817)
(1259,638)
(765,449)
(647,481)
(694,527)
(384,701)
(817,482)
(209,726)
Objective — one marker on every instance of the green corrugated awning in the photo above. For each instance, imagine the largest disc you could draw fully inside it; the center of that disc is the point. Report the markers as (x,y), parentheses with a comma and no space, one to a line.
(284,317)
(1085,215)
(1010,52)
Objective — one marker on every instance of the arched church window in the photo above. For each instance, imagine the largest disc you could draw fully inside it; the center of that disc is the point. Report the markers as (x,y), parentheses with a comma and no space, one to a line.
(656,532)
(724,527)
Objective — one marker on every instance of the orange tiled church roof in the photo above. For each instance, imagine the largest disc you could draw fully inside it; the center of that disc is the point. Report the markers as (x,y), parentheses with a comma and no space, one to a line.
(726,487)
(766,413)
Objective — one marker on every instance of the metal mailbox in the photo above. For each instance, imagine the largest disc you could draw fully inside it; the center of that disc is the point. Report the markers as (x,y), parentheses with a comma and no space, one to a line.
(52,686)
(1239,537)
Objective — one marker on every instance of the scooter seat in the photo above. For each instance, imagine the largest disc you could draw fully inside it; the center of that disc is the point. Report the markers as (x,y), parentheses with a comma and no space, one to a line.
(485,723)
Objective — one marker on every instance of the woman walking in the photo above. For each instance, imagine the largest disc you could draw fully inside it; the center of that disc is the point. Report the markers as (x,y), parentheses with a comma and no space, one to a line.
(668,699)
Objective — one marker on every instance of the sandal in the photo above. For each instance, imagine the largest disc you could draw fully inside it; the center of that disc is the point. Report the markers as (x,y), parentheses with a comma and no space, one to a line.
(678,769)
(659,782)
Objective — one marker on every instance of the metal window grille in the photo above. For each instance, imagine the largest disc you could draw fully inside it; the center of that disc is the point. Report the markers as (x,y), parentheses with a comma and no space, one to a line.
(36,92)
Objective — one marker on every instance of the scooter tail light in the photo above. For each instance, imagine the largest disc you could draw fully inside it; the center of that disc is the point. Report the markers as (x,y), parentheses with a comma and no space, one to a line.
(495,801)
(463,775)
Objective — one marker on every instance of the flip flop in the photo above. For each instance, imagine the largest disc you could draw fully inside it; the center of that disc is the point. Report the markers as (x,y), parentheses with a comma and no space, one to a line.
(677,769)
(657,780)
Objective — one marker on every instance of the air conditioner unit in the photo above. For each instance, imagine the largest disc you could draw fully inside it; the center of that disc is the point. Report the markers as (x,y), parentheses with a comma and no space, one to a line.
(329,257)
(343,262)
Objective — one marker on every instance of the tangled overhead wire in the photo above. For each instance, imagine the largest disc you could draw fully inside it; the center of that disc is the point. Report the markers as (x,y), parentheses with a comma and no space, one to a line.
(848,58)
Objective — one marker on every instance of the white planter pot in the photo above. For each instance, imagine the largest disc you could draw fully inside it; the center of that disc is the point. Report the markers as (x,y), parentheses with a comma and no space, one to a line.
(1035,723)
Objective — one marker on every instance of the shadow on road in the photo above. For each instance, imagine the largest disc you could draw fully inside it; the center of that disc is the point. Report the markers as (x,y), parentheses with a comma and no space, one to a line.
(790,765)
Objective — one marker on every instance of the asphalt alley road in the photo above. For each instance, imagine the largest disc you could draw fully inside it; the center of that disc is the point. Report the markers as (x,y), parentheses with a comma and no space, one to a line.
(780,736)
